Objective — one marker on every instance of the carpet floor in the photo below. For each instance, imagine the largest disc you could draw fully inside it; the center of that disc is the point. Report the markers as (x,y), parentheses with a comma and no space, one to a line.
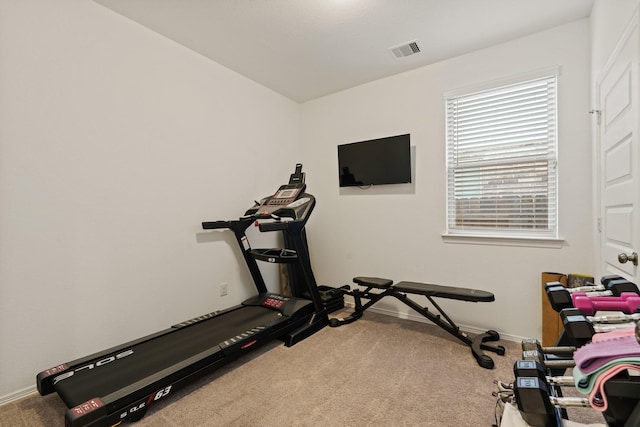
(378,371)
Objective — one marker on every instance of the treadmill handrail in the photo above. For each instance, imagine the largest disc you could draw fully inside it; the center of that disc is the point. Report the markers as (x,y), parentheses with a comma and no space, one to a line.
(240,224)
(213,225)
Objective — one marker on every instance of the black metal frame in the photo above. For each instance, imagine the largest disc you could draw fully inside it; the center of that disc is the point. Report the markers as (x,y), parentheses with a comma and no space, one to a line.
(297,319)
(477,344)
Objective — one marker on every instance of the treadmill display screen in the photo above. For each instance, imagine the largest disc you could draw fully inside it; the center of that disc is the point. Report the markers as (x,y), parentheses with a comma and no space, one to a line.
(285,194)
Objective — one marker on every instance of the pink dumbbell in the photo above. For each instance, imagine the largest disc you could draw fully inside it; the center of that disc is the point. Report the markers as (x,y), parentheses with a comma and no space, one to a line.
(627,303)
(595,297)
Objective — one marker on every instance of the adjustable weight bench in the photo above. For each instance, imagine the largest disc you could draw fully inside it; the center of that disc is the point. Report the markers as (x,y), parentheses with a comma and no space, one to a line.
(401,291)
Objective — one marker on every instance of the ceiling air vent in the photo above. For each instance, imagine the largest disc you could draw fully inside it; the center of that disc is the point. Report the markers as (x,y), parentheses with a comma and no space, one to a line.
(406,49)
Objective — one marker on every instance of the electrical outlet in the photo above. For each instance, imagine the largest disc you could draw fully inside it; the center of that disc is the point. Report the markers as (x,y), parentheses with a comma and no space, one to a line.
(224,288)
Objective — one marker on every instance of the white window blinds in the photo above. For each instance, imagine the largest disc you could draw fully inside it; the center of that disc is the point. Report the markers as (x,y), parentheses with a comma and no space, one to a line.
(501,161)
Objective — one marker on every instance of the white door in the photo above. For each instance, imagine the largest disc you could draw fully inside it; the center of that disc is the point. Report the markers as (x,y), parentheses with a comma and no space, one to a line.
(619,159)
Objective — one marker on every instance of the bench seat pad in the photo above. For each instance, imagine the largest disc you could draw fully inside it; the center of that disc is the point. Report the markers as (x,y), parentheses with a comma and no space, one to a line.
(464,294)
(374,282)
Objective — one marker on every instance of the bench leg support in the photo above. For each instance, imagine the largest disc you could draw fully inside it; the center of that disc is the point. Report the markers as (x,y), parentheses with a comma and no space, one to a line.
(477,345)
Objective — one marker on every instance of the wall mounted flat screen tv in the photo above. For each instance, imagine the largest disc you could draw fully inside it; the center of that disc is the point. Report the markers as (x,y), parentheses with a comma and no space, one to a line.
(375,162)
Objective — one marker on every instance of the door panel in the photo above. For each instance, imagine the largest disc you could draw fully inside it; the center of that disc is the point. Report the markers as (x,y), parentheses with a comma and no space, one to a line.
(618,98)
(619,222)
(618,161)
(618,157)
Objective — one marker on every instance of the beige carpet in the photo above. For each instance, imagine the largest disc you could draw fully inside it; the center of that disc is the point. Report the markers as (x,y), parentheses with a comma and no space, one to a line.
(378,371)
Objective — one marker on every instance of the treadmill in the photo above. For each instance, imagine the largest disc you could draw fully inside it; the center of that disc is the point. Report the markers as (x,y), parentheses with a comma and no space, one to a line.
(120,383)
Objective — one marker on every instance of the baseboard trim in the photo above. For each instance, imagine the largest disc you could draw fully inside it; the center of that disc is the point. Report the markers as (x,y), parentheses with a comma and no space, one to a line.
(17,395)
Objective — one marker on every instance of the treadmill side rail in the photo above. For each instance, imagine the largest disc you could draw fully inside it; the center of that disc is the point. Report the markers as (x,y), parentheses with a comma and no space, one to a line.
(117,407)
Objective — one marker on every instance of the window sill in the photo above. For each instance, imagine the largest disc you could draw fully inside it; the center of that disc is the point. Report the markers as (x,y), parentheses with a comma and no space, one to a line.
(533,242)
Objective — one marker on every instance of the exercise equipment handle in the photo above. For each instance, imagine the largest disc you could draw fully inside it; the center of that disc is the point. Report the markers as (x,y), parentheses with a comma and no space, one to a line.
(592,288)
(213,225)
(608,327)
(562,381)
(568,402)
(615,318)
(273,226)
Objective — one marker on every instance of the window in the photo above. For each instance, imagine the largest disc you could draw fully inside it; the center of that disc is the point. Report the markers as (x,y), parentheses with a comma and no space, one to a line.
(501,161)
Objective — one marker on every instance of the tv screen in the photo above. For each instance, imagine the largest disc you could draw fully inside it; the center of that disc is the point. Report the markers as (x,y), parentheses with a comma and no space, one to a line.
(375,162)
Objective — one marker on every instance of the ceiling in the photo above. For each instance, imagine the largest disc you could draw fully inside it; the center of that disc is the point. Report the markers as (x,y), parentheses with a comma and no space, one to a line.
(305,49)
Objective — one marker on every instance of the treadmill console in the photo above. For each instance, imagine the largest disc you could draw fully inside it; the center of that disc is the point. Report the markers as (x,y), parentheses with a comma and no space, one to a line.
(285,195)
(288,200)
(280,203)
(274,301)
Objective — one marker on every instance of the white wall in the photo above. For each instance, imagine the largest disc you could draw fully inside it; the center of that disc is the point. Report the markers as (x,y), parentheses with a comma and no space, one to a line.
(115,143)
(395,231)
(608,20)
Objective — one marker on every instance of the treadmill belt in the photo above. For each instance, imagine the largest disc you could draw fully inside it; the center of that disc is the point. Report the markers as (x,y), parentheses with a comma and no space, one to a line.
(162,352)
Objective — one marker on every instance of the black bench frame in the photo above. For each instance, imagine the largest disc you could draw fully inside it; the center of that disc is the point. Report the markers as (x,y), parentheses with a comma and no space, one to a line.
(401,290)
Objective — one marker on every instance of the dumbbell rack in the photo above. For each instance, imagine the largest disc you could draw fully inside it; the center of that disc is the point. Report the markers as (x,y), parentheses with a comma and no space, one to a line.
(622,392)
